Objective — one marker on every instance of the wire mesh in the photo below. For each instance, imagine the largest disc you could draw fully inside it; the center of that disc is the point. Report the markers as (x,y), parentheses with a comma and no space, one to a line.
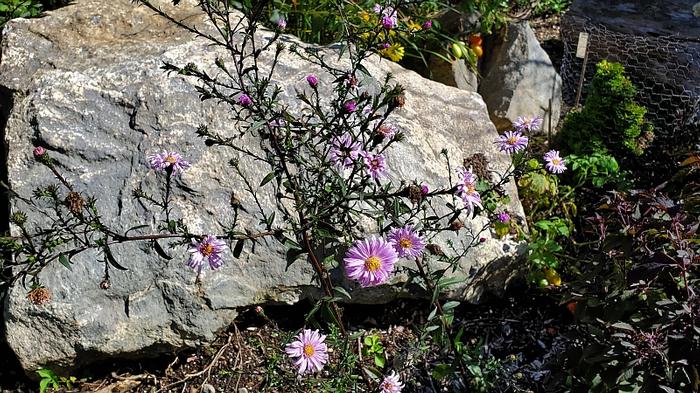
(665,70)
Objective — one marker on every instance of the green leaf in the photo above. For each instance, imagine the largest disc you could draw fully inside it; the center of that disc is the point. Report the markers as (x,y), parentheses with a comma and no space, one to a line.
(63,258)
(379,360)
(112,261)
(441,371)
(43,385)
(267,178)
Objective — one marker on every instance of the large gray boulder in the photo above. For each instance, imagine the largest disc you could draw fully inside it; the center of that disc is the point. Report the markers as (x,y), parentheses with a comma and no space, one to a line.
(85,82)
(519,79)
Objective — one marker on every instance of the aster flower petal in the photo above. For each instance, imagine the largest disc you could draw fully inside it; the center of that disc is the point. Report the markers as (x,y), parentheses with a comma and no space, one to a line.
(555,163)
(406,241)
(370,261)
(308,352)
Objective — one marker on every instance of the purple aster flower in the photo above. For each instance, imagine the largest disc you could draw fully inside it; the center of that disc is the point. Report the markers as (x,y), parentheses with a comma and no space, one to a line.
(344,151)
(527,123)
(503,217)
(406,242)
(555,164)
(375,164)
(389,23)
(281,23)
(210,248)
(308,352)
(244,100)
(277,123)
(370,261)
(384,45)
(424,189)
(387,130)
(350,106)
(168,160)
(427,25)
(38,152)
(391,383)
(466,189)
(312,80)
(511,142)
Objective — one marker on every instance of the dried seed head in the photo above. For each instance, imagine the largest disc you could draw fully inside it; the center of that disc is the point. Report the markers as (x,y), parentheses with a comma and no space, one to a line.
(415,194)
(456,225)
(39,296)
(74,202)
(435,249)
(479,165)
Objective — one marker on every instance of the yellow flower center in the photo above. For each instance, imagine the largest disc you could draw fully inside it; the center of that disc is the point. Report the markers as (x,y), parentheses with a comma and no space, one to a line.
(207,249)
(170,159)
(309,350)
(470,189)
(512,140)
(556,162)
(373,263)
(405,243)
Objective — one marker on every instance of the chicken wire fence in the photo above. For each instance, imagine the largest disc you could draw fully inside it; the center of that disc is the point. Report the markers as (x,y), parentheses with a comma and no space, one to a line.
(664,69)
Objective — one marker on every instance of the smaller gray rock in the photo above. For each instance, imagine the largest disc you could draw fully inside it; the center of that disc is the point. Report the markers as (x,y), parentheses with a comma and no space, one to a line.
(457,74)
(207,388)
(519,79)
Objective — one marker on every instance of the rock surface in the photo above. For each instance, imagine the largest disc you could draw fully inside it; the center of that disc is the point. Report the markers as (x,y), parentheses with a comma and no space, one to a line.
(86,84)
(457,74)
(519,79)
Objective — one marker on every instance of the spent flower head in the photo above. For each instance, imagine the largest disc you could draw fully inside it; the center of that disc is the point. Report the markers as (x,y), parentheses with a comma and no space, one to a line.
(308,351)
(168,161)
(555,163)
(209,248)
(370,261)
(406,241)
(511,142)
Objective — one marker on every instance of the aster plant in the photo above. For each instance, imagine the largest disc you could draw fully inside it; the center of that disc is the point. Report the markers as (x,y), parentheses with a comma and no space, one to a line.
(328,173)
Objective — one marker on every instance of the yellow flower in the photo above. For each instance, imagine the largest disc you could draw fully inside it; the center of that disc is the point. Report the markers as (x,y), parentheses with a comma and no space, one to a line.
(364,15)
(413,26)
(394,52)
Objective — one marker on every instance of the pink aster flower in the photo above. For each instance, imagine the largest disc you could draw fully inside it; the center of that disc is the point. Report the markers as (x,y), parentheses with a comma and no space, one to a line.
(391,383)
(527,123)
(370,261)
(511,142)
(427,25)
(244,100)
(312,80)
(466,189)
(344,151)
(38,152)
(555,164)
(350,106)
(308,352)
(168,160)
(406,241)
(503,217)
(389,16)
(424,189)
(282,23)
(209,248)
(375,164)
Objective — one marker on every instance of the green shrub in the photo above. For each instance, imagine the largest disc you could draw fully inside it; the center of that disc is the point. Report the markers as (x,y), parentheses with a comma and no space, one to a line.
(610,121)
(10,9)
